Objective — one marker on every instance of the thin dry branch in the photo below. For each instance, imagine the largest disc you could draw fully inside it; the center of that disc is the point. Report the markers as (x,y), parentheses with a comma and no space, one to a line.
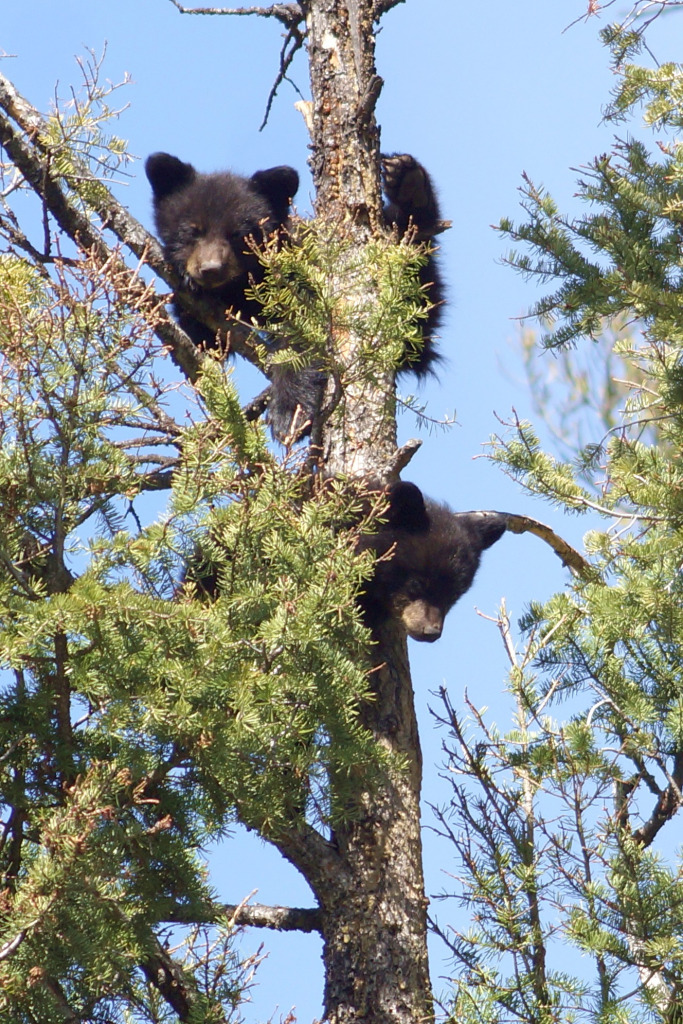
(296,37)
(288,14)
(570,557)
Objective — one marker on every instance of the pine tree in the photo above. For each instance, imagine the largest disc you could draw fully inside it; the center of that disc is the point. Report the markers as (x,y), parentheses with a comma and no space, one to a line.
(141,715)
(563,825)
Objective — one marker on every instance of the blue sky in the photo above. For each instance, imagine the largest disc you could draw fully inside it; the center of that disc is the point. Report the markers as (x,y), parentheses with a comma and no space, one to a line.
(479,93)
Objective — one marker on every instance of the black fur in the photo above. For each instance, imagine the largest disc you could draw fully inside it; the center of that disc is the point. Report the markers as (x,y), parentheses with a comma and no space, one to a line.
(208,223)
(427,559)
(411,205)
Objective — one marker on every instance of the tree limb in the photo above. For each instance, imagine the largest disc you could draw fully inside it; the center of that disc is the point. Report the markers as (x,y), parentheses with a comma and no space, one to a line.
(288,14)
(669,802)
(31,157)
(570,557)
(255,915)
(382,6)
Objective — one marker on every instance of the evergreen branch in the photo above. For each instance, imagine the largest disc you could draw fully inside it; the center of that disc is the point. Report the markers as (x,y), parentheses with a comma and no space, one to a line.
(38,977)
(32,157)
(35,169)
(569,555)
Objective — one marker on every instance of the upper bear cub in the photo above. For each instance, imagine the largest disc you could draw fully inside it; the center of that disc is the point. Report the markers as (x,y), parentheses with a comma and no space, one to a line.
(427,559)
(208,224)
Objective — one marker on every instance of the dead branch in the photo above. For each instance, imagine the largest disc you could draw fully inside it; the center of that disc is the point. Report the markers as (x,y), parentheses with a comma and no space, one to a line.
(283,919)
(569,556)
(288,14)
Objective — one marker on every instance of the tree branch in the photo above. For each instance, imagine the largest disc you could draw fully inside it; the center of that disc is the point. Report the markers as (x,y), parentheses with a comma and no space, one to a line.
(382,6)
(288,14)
(167,976)
(311,854)
(32,158)
(570,557)
(668,804)
(283,919)
(255,915)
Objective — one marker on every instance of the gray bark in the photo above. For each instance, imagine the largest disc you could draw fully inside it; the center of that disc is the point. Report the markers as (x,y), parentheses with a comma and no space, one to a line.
(370,885)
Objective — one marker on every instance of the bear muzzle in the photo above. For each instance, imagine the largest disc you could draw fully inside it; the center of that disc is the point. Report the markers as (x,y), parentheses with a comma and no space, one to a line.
(423,621)
(213,264)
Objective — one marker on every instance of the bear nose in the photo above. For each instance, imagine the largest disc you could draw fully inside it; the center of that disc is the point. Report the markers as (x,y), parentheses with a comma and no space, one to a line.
(431,634)
(428,634)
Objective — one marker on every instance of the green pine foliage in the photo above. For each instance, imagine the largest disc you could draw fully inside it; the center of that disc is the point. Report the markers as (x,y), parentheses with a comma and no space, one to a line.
(140,716)
(567,826)
(308,313)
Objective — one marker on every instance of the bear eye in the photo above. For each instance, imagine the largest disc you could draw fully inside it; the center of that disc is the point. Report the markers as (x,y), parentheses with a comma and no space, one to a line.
(192,232)
(250,228)
(414,588)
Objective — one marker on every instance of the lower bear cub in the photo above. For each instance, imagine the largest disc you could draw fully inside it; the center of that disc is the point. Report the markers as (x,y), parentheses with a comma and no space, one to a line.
(427,558)
(208,224)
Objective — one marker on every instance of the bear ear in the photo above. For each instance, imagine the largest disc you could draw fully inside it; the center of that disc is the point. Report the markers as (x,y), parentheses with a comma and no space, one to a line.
(407,509)
(487,527)
(278,185)
(167,174)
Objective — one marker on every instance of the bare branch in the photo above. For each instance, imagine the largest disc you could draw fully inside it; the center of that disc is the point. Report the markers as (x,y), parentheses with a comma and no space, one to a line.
(255,915)
(283,919)
(296,37)
(669,802)
(288,14)
(570,557)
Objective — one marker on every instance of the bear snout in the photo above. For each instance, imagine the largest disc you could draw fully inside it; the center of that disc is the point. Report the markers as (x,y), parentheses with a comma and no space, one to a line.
(213,264)
(423,621)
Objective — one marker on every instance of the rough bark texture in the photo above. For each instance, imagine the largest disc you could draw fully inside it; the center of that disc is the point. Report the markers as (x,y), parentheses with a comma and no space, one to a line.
(368,878)
(360,437)
(375,912)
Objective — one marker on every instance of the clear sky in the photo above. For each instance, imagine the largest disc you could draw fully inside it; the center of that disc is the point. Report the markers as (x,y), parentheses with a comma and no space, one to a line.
(479,93)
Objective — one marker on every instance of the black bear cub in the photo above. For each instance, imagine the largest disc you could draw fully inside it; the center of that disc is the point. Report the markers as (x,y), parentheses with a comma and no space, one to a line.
(411,206)
(208,224)
(427,559)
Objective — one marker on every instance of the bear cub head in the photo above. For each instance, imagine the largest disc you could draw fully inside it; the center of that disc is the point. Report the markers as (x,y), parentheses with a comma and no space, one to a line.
(208,225)
(427,558)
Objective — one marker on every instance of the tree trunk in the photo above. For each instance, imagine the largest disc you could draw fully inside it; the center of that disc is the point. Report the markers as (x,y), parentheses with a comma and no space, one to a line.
(375,912)
(369,883)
